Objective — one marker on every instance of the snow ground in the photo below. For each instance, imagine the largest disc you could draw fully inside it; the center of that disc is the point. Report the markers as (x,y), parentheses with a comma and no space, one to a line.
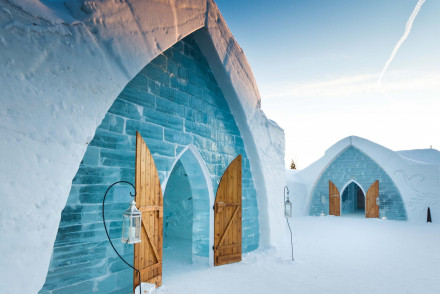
(332,255)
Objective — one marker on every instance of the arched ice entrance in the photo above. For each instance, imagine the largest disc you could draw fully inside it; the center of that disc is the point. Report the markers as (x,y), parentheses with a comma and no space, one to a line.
(188,217)
(353,199)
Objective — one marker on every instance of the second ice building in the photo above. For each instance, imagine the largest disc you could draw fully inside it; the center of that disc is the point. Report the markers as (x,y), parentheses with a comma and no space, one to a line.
(359,177)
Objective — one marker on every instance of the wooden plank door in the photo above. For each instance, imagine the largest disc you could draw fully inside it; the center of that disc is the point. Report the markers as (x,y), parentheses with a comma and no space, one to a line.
(148,253)
(227,216)
(334,199)
(371,208)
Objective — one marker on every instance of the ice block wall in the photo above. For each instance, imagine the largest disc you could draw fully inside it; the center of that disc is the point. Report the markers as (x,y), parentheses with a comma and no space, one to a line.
(352,164)
(173,102)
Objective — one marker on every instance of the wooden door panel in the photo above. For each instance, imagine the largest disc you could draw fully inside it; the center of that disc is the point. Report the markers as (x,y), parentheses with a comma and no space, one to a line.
(148,253)
(371,208)
(227,216)
(334,199)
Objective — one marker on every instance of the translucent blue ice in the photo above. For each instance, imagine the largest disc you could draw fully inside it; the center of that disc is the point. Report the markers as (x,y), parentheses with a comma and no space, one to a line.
(173,102)
(354,165)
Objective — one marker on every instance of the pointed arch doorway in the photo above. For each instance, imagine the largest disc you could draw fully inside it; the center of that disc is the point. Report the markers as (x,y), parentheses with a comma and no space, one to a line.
(187,221)
(353,200)
(188,217)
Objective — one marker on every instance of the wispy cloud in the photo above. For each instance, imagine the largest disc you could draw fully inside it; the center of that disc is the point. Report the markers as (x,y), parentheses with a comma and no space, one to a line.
(405,35)
(354,86)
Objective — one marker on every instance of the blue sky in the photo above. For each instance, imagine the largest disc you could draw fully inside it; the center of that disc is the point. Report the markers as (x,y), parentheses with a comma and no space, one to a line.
(317,64)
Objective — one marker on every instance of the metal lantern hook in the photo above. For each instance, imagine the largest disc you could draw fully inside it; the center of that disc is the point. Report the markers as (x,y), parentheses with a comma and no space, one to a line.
(287,214)
(106,231)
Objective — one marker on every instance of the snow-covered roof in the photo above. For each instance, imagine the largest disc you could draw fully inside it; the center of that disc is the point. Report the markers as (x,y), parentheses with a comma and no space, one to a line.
(430,156)
(63,66)
(418,182)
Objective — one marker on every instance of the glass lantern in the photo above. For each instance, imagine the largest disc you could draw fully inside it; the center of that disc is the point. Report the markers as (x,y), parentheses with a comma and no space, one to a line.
(288,208)
(131,225)
(322,205)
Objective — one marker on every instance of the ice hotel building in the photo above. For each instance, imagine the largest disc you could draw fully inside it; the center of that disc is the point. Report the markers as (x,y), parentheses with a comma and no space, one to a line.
(84,77)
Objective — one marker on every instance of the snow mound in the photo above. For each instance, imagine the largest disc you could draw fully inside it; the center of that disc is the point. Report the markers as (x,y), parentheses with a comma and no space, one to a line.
(297,192)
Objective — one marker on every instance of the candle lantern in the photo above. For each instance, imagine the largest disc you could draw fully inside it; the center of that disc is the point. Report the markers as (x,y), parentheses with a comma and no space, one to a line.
(288,213)
(287,203)
(288,208)
(131,225)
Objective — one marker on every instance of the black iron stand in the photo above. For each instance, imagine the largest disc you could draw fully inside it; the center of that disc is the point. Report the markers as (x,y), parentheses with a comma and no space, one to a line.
(287,220)
(105,227)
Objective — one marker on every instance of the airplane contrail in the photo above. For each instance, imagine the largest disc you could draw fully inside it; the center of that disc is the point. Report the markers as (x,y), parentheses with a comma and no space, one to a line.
(408,27)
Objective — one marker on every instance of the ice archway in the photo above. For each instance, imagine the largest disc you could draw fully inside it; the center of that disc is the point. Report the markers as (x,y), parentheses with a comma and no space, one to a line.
(203,199)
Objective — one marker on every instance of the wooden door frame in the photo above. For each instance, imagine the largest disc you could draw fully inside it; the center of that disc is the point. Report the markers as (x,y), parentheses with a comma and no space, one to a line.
(149,200)
(228,215)
(330,182)
(191,149)
(377,197)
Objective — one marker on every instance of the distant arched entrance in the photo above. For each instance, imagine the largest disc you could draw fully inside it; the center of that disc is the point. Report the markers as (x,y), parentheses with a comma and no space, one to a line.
(353,165)
(353,200)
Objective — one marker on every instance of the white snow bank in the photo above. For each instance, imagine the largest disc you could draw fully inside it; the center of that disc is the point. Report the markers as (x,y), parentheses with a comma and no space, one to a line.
(418,182)
(298,193)
(146,289)
(61,69)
